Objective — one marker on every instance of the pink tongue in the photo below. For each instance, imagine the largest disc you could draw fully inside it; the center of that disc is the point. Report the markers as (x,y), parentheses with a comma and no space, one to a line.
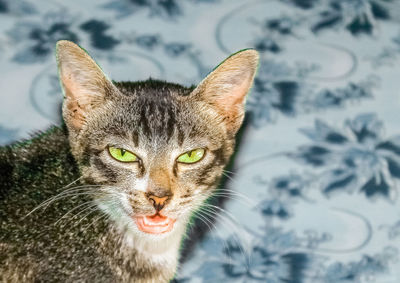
(156,218)
(155,224)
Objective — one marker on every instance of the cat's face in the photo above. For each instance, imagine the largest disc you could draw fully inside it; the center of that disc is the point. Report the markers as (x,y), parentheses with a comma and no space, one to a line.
(156,128)
(155,150)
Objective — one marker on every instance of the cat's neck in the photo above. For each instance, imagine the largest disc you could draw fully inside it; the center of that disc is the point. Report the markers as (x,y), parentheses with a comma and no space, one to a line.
(156,247)
(126,251)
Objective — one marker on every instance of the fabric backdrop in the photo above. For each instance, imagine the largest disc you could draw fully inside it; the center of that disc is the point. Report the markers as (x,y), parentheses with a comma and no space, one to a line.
(316,178)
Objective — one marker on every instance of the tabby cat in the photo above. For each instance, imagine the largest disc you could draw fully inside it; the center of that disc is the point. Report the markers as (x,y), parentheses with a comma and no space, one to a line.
(107,197)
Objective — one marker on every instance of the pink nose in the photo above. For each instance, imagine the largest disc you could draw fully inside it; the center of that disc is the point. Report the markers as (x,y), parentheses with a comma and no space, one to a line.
(158,202)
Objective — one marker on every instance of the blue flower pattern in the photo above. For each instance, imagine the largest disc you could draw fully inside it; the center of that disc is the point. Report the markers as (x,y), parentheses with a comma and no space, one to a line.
(356,157)
(314,192)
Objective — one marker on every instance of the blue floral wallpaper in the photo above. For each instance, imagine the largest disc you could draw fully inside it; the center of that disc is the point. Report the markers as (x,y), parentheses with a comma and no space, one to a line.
(313,192)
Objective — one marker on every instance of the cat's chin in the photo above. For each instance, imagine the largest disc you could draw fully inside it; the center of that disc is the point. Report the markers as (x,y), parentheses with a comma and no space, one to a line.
(154,224)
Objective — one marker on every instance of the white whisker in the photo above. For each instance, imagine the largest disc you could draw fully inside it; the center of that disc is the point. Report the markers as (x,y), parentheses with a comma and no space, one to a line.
(232,224)
(89,204)
(235,193)
(67,193)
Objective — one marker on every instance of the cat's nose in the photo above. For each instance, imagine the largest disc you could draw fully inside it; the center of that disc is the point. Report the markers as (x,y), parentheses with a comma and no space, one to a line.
(158,202)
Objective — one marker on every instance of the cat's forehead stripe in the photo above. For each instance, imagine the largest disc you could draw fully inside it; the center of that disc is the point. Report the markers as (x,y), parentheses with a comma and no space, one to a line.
(135,138)
(160,120)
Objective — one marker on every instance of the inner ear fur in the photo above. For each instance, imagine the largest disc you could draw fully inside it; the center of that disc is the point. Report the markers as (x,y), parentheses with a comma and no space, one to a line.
(84,84)
(226,87)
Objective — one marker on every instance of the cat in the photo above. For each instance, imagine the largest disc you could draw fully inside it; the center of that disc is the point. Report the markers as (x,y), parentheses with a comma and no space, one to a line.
(108,195)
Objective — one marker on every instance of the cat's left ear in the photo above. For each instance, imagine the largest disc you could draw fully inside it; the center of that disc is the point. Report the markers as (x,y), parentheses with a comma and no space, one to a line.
(84,84)
(226,87)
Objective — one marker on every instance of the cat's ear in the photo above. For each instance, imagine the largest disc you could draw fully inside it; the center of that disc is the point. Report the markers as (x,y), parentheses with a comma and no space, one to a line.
(83,83)
(226,87)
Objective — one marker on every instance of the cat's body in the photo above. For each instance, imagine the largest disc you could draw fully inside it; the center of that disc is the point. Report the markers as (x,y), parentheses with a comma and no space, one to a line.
(73,210)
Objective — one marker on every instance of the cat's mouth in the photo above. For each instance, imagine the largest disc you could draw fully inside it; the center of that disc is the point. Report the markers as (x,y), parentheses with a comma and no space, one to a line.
(154,224)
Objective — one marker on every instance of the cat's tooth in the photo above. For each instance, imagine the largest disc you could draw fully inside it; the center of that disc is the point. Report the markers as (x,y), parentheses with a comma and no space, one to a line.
(146,222)
(151,223)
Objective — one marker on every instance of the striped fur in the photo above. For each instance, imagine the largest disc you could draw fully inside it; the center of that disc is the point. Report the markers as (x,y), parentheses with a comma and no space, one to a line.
(157,121)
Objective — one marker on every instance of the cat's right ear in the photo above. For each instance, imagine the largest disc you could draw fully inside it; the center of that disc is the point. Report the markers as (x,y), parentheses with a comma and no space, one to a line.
(83,82)
(226,87)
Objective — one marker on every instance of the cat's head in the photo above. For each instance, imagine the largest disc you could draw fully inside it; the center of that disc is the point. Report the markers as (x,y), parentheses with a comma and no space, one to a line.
(156,150)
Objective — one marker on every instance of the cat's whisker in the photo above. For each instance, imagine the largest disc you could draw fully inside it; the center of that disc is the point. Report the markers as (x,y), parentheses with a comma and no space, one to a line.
(103,216)
(233,192)
(238,194)
(70,194)
(73,189)
(87,203)
(230,197)
(66,193)
(80,187)
(235,235)
(229,172)
(237,231)
(231,222)
(90,205)
(205,220)
(93,209)
(235,198)
(230,218)
(73,182)
(233,218)
(227,176)
(96,207)
(229,194)
(210,225)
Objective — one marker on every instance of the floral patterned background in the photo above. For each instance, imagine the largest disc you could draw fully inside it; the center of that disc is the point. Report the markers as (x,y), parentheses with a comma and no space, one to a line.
(313,195)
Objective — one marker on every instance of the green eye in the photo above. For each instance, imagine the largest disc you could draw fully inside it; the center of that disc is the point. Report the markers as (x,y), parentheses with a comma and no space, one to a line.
(122,155)
(191,156)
